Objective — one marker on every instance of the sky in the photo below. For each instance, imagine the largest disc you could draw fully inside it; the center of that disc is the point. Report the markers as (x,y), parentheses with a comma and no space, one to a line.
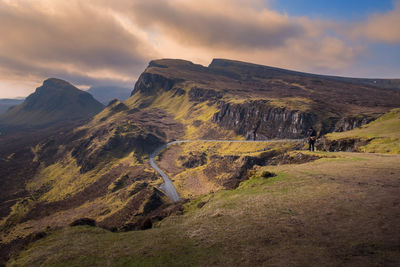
(100,42)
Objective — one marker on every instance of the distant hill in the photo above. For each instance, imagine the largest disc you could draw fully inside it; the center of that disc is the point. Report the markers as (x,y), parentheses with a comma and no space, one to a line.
(55,101)
(233,66)
(100,169)
(7,103)
(105,94)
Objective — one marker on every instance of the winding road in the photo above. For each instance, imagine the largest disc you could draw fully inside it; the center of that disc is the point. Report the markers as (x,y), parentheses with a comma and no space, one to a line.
(168,186)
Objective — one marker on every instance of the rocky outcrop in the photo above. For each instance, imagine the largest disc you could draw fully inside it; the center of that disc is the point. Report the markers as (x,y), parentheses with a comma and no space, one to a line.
(149,83)
(145,207)
(194,160)
(117,106)
(349,123)
(141,144)
(258,120)
(83,221)
(200,94)
(236,169)
(344,144)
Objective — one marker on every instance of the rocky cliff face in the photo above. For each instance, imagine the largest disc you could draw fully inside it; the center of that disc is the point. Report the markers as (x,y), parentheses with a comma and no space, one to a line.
(149,83)
(344,144)
(333,103)
(197,94)
(258,120)
(349,123)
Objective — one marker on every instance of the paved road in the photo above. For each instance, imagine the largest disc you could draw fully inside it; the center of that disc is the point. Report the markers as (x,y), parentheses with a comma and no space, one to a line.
(168,186)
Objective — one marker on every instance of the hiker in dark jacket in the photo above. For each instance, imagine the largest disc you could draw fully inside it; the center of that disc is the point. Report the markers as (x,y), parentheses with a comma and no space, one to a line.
(312,137)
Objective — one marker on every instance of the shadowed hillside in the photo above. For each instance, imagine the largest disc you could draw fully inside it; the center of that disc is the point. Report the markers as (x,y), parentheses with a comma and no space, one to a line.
(54,102)
(5,104)
(100,170)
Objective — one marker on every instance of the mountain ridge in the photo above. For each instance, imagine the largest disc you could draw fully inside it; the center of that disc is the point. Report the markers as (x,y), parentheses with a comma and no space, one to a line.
(54,102)
(387,83)
(235,88)
(100,169)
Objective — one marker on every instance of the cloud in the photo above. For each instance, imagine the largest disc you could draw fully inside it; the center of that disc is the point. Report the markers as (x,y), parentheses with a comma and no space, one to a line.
(382,27)
(216,23)
(96,42)
(244,30)
(67,39)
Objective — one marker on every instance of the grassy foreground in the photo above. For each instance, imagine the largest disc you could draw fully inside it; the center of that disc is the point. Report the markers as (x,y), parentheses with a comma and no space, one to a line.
(341,210)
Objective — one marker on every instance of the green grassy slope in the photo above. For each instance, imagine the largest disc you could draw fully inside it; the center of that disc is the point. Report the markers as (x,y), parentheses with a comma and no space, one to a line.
(308,211)
(98,170)
(384,134)
(200,167)
(307,215)
(194,117)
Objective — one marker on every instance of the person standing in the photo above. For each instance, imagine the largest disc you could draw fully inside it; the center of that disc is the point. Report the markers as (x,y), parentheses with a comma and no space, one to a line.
(312,137)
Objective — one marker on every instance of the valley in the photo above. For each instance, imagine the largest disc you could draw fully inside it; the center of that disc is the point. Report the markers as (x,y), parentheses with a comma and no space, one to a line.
(203,166)
(198,157)
(308,214)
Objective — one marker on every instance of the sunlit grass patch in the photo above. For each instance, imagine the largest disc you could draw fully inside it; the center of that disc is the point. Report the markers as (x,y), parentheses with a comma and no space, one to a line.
(303,214)
(384,134)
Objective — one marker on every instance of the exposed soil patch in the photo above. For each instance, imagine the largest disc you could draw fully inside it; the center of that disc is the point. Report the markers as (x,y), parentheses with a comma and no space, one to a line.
(83,221)
(194,159)
(344,144)
(291,158)
(167,160)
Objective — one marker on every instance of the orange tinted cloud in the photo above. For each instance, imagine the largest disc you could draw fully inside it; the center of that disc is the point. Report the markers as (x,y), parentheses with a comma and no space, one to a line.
(201,30)
(381,27)
(71,39)
(110,42)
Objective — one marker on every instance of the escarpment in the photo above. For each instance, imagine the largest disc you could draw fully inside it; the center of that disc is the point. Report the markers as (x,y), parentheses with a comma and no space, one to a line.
(349,123)
(150,83)
(260,102)
(258,120)
(100,169)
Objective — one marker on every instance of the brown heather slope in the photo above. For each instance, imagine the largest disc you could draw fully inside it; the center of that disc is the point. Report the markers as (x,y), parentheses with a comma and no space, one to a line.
(260,102)
(341,210)
(100,169)
(240,80)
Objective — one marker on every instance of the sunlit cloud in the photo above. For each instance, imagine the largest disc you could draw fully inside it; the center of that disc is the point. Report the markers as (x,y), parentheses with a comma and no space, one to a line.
(97,42)
(69,40)
(382,27)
